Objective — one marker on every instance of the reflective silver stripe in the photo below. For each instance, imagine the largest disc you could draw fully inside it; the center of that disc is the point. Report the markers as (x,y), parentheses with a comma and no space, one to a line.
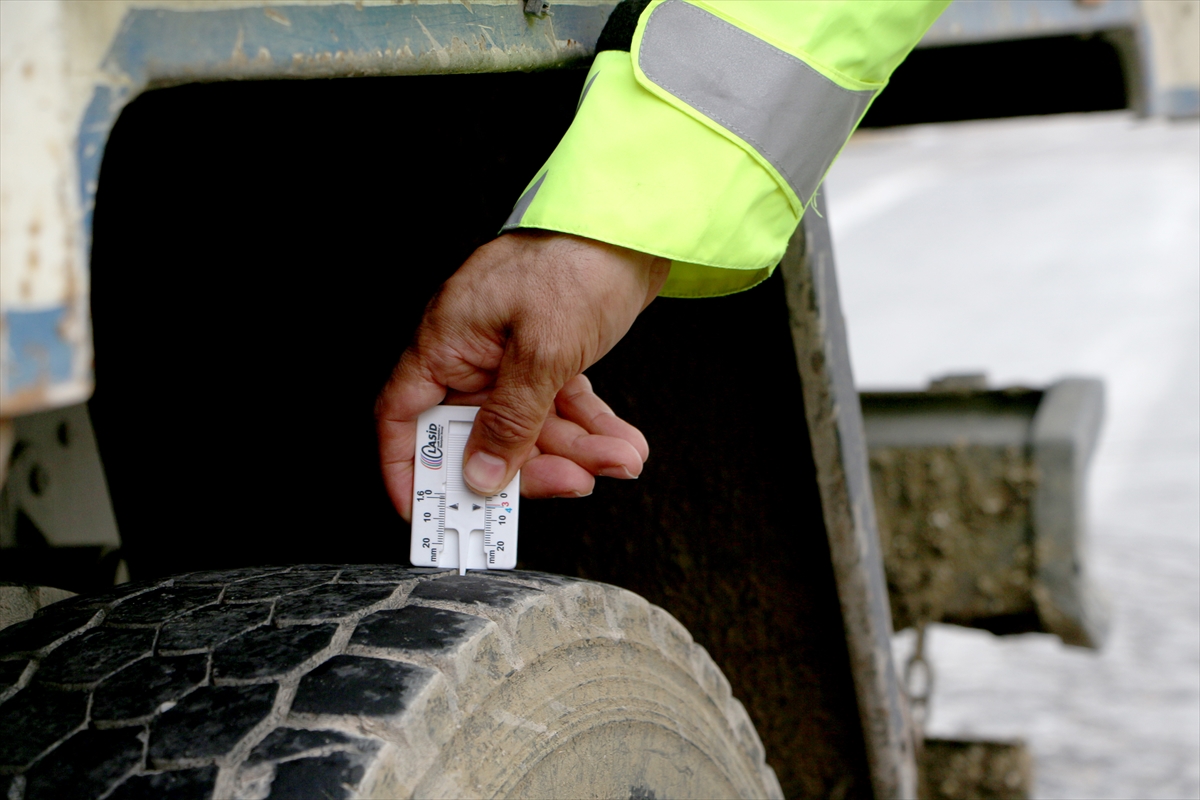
(586,89)
(514,219)
(794,116)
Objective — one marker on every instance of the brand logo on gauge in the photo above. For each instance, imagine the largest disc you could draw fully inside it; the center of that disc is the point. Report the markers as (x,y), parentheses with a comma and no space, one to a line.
(431,451)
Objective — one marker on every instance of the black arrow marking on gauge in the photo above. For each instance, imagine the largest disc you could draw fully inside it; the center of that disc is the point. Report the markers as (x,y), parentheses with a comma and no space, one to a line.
(475,507)
(455,506)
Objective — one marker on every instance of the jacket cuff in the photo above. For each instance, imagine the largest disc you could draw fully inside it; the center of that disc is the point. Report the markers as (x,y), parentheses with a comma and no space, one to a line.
(635,171)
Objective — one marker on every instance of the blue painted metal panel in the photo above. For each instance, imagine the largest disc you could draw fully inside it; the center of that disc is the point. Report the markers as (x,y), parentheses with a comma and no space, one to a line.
(156,47)
(162,47)
(38,355)
(98,119)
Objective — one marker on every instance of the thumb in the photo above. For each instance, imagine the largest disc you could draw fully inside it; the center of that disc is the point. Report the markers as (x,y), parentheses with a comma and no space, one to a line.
(411,389)
(509,421)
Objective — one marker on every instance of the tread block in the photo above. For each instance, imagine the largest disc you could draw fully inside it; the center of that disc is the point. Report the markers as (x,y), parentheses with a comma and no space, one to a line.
(34,719)
(284,743)
(276,585)
(334,601)
(355,685)
(162,604)
(95,655)
(547,579)
(417,628)
(376,573)
(183,784)
(117,593)
(269,652)
(87,765)
(334,776)
(110,597)
(79,602)
(40,632)
(223,576)
(205,628)
(139,689)
(209,722)
(473,589)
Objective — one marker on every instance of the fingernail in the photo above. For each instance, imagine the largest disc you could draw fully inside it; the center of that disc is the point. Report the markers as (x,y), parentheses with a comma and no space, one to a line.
(485,472)
(573,495)
(618,472)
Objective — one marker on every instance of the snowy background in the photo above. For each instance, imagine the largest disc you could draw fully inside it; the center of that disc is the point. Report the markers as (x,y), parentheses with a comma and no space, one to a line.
(1033,249)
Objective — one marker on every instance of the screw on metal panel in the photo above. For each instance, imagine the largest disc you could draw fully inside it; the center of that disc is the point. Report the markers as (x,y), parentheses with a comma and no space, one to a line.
(918,682)
(38,480)
(918,686)
(919,674)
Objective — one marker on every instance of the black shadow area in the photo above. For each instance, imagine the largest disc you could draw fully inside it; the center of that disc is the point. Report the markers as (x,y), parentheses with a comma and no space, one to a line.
(1050,75)
(262,254)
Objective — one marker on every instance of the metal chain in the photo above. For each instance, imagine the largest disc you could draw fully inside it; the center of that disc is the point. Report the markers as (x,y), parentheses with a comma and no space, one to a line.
(918,683)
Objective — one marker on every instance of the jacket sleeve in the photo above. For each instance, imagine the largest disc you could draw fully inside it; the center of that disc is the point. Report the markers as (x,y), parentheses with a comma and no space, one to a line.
(706,141)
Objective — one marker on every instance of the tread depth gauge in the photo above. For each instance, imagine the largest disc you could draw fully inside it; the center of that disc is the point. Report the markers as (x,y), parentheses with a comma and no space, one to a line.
(452,526)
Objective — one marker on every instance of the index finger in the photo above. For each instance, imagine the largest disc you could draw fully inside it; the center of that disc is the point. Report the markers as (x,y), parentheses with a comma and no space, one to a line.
(577,402)
(411,390)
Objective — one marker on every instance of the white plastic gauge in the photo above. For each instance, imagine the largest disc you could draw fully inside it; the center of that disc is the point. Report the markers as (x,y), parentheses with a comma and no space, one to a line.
(452,526)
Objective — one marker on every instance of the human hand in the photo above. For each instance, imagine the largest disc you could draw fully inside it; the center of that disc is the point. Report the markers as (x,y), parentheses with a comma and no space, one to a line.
(512,331)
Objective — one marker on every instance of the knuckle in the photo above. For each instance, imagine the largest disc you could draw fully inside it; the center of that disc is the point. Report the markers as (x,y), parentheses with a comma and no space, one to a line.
(556,357)
(577,387)
(508,427)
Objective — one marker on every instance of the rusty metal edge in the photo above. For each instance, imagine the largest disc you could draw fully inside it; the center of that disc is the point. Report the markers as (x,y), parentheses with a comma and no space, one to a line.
(835,425)
(160,44)
(157,48)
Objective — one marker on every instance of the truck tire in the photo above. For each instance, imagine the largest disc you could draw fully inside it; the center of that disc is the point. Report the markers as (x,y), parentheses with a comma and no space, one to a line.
(367,681)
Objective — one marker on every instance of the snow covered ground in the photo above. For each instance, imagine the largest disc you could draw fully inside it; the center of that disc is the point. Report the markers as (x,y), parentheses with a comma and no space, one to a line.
(1032,249)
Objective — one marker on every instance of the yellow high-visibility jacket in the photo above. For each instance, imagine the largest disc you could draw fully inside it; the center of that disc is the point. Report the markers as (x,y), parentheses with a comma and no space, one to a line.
(707,140)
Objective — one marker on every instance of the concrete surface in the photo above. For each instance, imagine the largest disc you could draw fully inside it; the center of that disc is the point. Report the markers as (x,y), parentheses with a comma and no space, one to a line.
(1037,248)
